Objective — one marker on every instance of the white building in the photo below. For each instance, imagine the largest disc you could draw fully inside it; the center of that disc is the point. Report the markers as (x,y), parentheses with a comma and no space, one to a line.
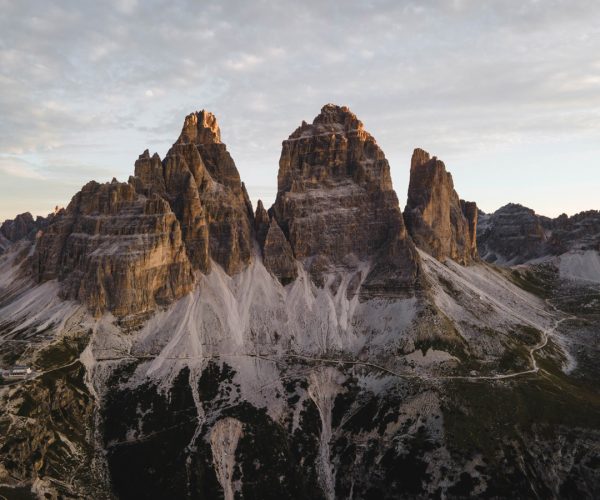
(19,371)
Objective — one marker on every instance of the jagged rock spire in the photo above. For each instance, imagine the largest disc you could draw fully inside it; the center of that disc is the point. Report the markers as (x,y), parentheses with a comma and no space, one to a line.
(130,247)
(200,128)
(435,217)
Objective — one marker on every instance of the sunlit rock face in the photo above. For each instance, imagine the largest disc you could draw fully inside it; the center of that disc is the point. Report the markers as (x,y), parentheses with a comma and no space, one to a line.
(438,221)
(335,202)
(130,247)
(202,184)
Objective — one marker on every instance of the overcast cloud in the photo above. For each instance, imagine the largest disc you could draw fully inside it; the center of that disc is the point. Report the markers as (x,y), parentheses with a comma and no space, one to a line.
(507,93)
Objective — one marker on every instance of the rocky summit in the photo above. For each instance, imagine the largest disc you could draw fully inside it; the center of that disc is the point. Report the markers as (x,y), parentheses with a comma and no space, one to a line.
(200,181)
(23,226)
(437,219)
(160,339)
(129,247)
(336,204)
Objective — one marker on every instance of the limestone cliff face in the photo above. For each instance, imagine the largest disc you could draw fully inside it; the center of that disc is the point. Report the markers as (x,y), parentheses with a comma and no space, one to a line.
(20,227)
(335,201)
(578,232)
(261,223)
(115,250)
(471,213)
(203,187)
(130,247)
(437,220)
(277,254)
(513,233)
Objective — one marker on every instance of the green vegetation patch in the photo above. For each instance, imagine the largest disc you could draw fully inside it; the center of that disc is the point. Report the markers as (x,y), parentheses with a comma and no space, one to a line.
(539,280)
(61,352)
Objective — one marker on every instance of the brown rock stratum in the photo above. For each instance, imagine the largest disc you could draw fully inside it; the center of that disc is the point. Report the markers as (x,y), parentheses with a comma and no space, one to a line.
(438,221)
(115,250)
(131,247)
(336,205)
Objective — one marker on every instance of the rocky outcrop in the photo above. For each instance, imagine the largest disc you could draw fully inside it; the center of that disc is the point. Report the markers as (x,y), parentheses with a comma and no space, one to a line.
(115,250)
(438,221)
(578,232)
(335,202)
(277,254)
(23,226)
(471,213)
(512,235)
(130,247)
(202,184)
(515,234)
(261,223)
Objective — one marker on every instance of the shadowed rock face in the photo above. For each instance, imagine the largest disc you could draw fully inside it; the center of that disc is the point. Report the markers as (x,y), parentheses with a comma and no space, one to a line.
(515,234)
(277,254)
(115,251)
(578,232)
(261,223)
(22,226)
(335,201)
(4,243)
(202,185)
(438,221)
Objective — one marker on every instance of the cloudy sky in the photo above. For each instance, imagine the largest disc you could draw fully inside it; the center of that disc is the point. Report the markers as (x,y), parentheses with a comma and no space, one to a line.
(506,92)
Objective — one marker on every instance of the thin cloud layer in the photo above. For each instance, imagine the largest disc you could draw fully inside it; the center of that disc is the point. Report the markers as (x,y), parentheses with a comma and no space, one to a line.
(506,92)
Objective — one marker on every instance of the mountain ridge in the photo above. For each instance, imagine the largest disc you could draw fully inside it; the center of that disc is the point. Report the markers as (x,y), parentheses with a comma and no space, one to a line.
(183,346)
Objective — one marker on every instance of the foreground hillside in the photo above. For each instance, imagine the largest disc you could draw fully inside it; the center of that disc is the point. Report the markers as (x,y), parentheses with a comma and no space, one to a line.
(331,347)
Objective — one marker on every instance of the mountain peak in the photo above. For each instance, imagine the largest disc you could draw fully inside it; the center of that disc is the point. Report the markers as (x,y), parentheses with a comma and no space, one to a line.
(437,220)
(335,201)
(332,119)
(419,157)
(200,128)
